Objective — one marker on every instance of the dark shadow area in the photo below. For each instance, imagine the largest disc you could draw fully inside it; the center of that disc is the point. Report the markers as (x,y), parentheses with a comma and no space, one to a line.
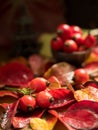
(82,12)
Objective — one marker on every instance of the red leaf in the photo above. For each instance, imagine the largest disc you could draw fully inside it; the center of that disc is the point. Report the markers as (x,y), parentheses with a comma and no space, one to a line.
(4,105)
(61,97)
(55,113)
(91,83)
(20,122)
(23,120)
(8,96)
(15,74)
(92,69)
(8,93)
(91,66)
(8,116)
(81,115)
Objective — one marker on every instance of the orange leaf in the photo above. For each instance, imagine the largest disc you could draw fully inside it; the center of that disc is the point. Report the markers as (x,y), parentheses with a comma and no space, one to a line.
(88,93)
(54,83)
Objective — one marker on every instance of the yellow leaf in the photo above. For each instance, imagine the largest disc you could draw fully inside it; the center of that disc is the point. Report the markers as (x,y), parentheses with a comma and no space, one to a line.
(51,122)
(93,57)
(39,124)
(46,123)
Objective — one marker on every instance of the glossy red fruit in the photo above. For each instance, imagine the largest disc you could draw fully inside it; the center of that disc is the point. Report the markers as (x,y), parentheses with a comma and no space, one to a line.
(38,84)
(78,38)
(57,43)
(64,31)
(44,99)
(70,46)
(76,29)
(27,103)
(90,41)
(81,76)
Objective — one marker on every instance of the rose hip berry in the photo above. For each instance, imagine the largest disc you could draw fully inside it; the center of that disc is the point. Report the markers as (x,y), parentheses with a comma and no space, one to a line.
(78,38)
(81,76)
(64,31)
(44,99)
(57,43)
(38,84)
(90,41)
(76,29)
(70,46)
(27,103)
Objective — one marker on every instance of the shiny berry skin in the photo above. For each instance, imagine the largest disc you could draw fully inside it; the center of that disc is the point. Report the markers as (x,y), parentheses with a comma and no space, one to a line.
(70,46)
(90,41)
(64,31)
(76,29)
(78,38)
(81,76)
(44,99)
(38,84)
(57,43)
(27,103)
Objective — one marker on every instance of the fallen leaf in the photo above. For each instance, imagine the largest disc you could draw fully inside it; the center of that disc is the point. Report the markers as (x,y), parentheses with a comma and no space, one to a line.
(39,124)
(82,115)
(88,93)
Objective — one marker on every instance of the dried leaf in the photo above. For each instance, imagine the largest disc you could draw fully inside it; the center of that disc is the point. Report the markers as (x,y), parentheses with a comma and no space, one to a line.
(62,71)
(88,93)
(54,83)
(8,116)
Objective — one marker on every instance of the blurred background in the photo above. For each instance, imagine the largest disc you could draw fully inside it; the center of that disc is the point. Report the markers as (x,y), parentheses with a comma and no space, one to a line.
(23,21)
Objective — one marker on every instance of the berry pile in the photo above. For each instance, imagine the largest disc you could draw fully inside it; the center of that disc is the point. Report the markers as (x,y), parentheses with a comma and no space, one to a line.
(69,39)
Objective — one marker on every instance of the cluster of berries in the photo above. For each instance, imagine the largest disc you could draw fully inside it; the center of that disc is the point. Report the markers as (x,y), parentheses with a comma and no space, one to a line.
(70,38)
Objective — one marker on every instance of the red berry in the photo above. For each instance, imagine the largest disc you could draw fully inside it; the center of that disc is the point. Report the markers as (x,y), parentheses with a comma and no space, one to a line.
(27,103)
(76,29)
(57,43)
(64,31)
(70,46)
(90,41)
(81,76)
(78,38)
(44,99)
(38,84)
